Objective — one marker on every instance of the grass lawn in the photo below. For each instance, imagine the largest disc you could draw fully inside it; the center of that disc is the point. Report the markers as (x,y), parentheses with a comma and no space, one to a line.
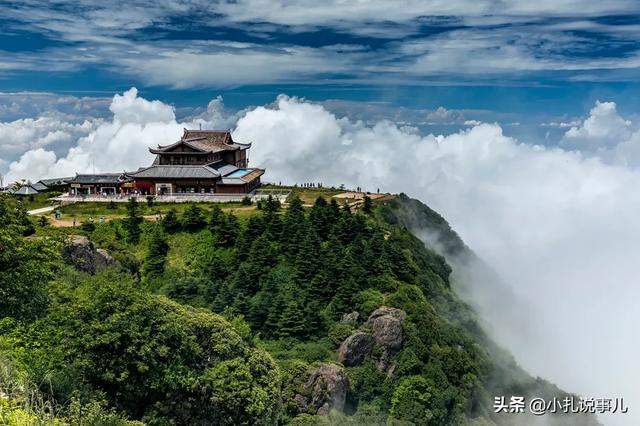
(36,201)
(308,195)
(84,210)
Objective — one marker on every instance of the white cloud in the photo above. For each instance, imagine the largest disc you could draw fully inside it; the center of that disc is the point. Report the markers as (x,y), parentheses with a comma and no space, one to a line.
(603,129)
(21,135)
(219,65)
(493,38)
(117,145)
(442,115)
(607,135)
(309,12)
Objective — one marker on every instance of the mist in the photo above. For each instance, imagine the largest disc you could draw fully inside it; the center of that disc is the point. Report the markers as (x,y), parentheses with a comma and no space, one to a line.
(559,225)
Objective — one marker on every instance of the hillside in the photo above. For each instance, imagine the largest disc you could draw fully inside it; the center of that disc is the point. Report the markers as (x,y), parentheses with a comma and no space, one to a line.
(270,315)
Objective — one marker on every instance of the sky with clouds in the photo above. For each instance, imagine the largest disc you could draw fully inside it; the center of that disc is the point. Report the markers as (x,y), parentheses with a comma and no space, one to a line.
(519,121)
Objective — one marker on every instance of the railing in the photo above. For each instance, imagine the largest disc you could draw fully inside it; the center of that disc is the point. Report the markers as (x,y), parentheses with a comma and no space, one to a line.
(176,197)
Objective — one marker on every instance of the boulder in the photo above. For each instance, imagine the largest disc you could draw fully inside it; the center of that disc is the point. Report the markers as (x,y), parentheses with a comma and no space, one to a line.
(106,258)
(355,348)
(328,387)
(82,255)
(386,327)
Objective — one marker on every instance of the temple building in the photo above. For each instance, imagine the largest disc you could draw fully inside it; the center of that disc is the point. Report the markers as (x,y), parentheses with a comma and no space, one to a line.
(101,184)
(202,161)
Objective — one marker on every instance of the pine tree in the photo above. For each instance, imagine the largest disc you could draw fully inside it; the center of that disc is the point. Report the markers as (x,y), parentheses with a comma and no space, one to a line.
(192,219)
(156,253)
(272,205)
(249,233)
(320,218)
(170,221)
(215,220)
(367,205)
(307,255)
(228,230)
(132,221)
(292,320)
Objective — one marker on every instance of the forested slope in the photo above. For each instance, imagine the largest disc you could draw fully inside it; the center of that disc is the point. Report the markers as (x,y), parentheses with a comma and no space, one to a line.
(290,315)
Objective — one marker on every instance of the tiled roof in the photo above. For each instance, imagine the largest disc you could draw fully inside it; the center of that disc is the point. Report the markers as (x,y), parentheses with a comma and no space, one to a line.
(253,174)
(55,181)
(112,178)
(39,186)
(176,172)
(223,168)
(205,141)
(25,190)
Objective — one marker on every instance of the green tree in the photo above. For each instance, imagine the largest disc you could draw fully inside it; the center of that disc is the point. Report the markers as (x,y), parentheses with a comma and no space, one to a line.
(367,205)
(292,320)
(170,221)
(26,265)
(88,226)
(157,249)
(412,400)
(192,219)
(215,219)
(132,221)
(151,358)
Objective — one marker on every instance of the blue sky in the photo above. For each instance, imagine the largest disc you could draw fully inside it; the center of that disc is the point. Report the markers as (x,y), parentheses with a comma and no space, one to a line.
(433,64)
(535,58)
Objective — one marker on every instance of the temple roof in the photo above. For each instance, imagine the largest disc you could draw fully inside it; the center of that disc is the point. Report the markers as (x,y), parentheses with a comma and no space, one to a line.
(55,181)
(104,178)
(25,190)
(176,172)
(204,141)
(39,186)
(248,176)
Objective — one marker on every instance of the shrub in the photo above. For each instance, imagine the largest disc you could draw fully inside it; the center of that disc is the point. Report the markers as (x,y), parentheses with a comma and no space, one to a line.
(88,226)
(340,331)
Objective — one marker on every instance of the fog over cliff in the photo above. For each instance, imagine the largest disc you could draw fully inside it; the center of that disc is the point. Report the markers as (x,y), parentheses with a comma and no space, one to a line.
(559,224)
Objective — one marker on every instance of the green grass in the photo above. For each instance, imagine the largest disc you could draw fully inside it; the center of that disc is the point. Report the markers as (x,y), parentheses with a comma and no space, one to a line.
(36,201)
(83,210)
(307,195)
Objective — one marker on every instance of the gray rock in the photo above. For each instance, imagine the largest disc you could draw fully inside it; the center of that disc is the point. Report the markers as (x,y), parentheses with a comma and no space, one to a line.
(106,258)
(82,255)
(328,386)
(386,327)
(351,318)
(355,348)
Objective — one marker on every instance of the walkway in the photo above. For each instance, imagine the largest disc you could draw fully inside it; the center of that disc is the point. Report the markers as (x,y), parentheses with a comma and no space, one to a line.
(41,210)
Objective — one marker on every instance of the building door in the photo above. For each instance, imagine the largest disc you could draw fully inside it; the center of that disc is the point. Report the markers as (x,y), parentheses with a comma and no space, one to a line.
(163,189)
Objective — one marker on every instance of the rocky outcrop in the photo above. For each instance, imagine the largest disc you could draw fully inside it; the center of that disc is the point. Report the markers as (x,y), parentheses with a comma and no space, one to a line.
(386,327)
(328,389)
(355,348)
(82,255)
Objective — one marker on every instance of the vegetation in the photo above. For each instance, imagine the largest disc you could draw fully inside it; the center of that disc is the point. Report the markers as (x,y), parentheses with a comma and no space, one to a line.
(209,319)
